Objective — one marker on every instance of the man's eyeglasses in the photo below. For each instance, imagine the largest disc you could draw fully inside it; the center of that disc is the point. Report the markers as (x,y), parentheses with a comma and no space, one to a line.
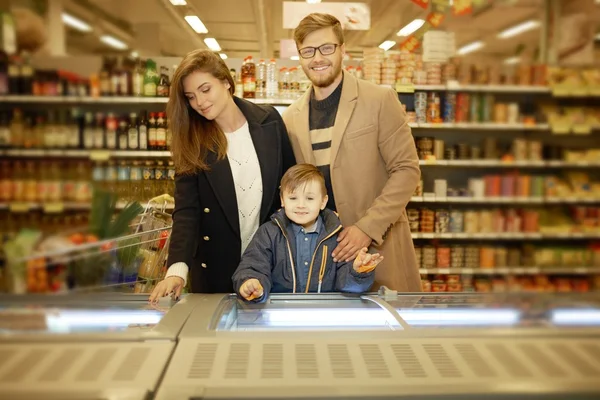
(326,49)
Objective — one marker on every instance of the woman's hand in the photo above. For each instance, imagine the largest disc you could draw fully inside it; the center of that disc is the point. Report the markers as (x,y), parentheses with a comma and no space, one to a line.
(173,285)
(251,289)
(366,262)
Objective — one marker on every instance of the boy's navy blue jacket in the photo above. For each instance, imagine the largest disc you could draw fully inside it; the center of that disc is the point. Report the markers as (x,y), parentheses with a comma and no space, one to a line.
(270,258)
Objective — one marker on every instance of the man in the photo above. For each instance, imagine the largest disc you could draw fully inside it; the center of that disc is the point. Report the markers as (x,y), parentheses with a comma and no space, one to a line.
(356,133)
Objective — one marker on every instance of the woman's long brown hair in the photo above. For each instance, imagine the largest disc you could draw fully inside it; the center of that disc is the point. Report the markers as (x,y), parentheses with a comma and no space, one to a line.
(193,135)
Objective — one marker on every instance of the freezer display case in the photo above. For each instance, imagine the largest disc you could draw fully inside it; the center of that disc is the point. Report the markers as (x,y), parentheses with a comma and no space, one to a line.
(101,346)
(388,345)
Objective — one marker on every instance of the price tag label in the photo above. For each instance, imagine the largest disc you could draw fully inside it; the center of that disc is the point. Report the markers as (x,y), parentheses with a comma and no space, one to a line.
(54,208)
(453,85)
(561,128)
(561,91)
(405,88)
(99,155)
(19,207)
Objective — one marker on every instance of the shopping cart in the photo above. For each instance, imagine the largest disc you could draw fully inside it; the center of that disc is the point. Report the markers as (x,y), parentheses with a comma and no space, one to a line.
(130,263)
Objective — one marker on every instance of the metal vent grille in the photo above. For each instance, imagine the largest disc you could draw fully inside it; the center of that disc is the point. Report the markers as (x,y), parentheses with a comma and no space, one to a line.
(69,368)
(374,361)
(204,359)
(306,361)
(401,362)
(442,362)
(475,361)
(408,361)
(272,361)
(339,359)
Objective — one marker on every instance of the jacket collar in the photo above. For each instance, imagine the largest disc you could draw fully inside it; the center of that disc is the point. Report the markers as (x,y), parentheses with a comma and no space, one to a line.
(253,114)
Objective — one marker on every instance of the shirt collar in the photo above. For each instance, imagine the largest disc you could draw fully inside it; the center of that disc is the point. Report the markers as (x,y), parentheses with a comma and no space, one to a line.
(316,228)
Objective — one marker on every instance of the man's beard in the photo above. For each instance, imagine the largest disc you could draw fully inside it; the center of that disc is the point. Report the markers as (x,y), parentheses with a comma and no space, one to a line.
(325,81)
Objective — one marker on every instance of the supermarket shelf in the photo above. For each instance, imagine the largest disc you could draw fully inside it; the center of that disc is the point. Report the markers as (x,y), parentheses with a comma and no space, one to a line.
(112,100)
(512,271)
(511,164)
(503,200)
(57,207)
(93,154)
(486,88)
(507,236)
(487,126)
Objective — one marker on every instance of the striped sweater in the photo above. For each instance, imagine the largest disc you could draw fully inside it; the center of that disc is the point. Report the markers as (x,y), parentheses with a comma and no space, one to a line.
(321,120)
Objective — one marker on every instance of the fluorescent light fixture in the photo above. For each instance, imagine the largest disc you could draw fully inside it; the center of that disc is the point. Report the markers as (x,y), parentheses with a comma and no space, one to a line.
(178,2)
(313,1)
(113,42)
(295,58)
(518,29)
(223,56)
(411,27)
(212,44)
(196,24)
(512,60)
(576,317)
(471,47)
(75,23)
(135,54)
(388,44)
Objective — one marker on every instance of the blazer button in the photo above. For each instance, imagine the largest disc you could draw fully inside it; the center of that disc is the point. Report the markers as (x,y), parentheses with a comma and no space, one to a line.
(206,210)
(206,238)
(203,265)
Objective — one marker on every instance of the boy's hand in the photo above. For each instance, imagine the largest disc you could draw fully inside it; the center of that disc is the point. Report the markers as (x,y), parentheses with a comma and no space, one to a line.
(366,262)
(168,286)
(251,289)
(350,241)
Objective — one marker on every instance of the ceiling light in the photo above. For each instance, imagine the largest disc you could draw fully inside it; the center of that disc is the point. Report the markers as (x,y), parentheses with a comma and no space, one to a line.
(518,29)
(178,2)
(196,24)
(469,48)
(223,56)
(313,1)
(388,44)
(113,42)
(597,37)
(512,60)
(295,58)
(135,54)
(212,44)
(75,23)
(411,27)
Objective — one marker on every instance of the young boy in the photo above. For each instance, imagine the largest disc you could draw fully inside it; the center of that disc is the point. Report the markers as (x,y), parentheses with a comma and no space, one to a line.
(292,252)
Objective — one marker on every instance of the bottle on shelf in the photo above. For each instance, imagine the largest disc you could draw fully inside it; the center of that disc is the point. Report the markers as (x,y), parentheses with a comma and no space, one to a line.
(104,76)
(159,178)
(83,190)
(284,83)
(14,72)
(39,130)
(239,86)
(138,78)
(3,72)
(112,126)
(294,85)
(31,189)
(88,131)
(162,90)
(135,180)
(171,179)
(272,80)
(16,128)
(123,177)
(5,140)
(69,182)
(29,139)
(62,129)
(143,130)
(148,180)
(94,86)
(151,79)
(111,177)
(50,130)
(6,181)
(98,173)
(152,131)
(249,78)
(161,132)
(169,134)
(98,128)
(54,187)
(26,76)
(74,118)
(43,183)
(261,79)
(133,134)
(123,134)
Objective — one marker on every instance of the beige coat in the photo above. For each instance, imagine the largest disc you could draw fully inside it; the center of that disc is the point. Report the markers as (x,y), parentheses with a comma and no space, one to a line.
(374,172)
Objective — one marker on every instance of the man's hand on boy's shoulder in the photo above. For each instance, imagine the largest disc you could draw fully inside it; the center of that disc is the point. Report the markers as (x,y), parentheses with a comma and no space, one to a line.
(366,262)
(251,289)
(350,241)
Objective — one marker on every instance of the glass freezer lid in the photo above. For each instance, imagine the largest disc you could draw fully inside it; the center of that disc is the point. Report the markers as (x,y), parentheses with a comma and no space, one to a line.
(406,311)
(77,314)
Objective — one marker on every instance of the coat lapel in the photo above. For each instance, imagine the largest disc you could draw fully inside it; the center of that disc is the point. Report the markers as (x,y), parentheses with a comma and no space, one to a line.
(302,128)
(268,150)
(344,113)
(221,181)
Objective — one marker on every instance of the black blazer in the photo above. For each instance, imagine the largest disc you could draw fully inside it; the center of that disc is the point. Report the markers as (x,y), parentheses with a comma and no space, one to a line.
(206,230)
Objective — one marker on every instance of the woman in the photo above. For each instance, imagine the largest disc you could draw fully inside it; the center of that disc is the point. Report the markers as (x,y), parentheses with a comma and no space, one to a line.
(230,155)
